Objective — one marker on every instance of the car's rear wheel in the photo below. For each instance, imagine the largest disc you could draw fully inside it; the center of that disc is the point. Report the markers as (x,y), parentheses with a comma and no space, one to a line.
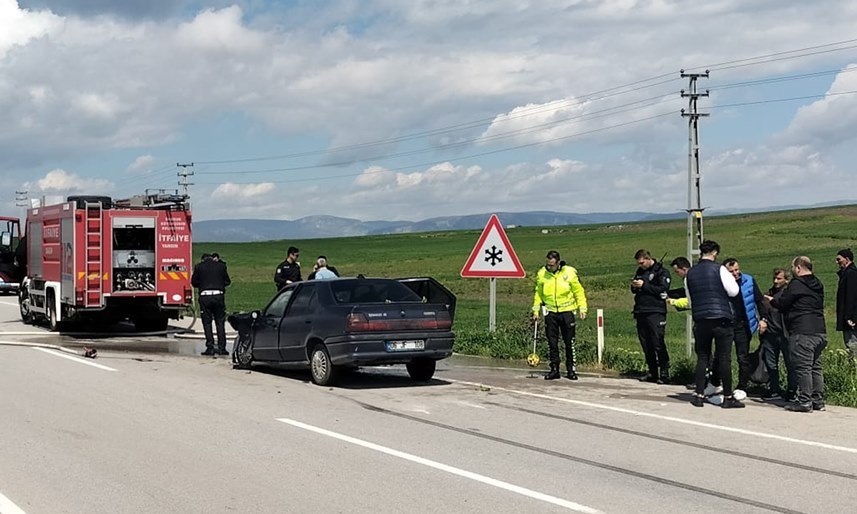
(421,370)
(242,352)
(322,370)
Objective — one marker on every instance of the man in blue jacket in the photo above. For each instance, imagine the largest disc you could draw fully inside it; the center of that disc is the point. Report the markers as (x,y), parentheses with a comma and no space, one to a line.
(749,307)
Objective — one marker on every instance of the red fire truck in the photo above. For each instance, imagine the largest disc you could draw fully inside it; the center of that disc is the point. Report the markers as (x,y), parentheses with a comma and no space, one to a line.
(102,261)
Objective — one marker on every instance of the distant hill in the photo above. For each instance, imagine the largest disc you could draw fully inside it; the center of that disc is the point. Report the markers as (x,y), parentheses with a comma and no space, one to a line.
(312,227)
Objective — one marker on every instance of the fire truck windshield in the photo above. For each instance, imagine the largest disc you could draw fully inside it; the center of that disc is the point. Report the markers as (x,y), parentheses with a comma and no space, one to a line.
(134,239)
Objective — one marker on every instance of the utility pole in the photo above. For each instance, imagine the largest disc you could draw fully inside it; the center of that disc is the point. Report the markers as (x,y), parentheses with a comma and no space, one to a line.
(694,189)
(184,174)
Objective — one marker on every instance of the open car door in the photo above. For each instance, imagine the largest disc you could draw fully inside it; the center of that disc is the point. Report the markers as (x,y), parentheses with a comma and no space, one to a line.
(431,291)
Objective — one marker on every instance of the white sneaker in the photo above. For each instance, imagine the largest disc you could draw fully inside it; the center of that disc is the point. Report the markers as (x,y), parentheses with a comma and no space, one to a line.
(739,394)
(711,390)
(715,399)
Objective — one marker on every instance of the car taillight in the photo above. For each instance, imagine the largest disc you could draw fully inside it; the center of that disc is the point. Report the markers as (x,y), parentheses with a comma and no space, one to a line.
(79,296)
(356,322)
(188,294)
(359,322)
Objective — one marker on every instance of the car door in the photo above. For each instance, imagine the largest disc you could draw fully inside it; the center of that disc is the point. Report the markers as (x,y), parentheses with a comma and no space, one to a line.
(298,322)
(267,327)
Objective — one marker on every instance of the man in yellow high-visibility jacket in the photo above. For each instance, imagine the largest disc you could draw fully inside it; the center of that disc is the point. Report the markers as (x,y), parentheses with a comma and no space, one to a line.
(558,289)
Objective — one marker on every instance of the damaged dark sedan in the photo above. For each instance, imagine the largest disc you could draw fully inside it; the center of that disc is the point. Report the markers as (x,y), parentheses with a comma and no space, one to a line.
(329,325)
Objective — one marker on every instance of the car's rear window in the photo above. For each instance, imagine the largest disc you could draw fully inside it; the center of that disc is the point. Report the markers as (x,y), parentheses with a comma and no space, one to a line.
(367,290)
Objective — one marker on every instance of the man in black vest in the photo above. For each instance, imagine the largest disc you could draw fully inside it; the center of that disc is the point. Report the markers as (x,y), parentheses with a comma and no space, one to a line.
(709,287)
(650,285)
(211,278)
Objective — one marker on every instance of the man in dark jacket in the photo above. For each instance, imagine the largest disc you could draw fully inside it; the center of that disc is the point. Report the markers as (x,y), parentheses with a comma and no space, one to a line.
(289,270)
(802,303)
(650,286)
(774,341)
(211,278)
(846,300)
(749,307)
(709,287)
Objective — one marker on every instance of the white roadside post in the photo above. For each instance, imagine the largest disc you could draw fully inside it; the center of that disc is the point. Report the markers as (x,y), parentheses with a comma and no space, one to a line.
(493,257)
(600,319)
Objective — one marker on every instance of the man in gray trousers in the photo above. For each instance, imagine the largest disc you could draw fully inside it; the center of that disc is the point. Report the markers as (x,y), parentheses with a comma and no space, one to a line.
(802,303)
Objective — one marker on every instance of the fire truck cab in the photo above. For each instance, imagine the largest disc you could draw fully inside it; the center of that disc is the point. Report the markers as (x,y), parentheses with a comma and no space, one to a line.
(101,261)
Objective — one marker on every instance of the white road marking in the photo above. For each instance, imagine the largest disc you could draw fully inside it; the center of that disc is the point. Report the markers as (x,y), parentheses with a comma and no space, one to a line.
(7,506)
(9,303)
(658,416)
(443,467)
(75,359)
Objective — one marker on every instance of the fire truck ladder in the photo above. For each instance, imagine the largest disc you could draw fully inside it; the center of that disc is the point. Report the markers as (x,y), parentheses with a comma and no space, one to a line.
(93,291)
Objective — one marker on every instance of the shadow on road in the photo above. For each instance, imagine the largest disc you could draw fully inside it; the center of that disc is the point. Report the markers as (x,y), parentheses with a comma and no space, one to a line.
(362,378)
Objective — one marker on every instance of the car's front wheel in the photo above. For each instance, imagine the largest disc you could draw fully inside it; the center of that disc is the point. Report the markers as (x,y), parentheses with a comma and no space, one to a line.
(242,352)
(322,370)
(24,306)
(421,370)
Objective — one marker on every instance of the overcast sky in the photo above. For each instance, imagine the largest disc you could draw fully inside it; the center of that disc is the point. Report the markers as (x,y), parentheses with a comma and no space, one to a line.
(384,109)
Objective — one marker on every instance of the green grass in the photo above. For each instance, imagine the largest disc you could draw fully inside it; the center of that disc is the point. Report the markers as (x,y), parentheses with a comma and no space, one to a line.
(603,256)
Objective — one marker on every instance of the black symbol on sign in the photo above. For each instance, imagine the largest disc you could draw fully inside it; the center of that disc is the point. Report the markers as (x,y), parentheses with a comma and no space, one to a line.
(132,258)
(493,255)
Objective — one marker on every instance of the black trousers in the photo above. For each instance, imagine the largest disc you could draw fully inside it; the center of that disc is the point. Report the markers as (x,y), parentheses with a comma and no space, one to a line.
(720,332)
(650,330)
(774,344)
(214,308)
(557,323)
(742,338)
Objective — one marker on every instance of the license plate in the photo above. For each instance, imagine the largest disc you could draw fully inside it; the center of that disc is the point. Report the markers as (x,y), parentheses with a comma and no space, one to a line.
(406,345)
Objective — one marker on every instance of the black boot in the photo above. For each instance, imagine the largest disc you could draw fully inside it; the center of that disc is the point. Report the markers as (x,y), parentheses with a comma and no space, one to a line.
(571,375)
(665,377)
(553,374)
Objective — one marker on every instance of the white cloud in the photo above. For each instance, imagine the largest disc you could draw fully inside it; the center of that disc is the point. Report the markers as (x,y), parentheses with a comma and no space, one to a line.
(18,26)
(142,162)
(239,192)
(220,31)
(60,180)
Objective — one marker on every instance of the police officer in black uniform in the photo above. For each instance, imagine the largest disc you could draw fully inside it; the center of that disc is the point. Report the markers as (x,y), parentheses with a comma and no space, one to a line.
(650,285)
(211,278)
(289,270)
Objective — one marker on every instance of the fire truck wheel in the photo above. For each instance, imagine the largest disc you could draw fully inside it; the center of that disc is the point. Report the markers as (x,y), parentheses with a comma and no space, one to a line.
(24,305)
(53,324)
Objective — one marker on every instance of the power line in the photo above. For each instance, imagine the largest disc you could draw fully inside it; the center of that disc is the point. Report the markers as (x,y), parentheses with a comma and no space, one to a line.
(465,157)
(613,91)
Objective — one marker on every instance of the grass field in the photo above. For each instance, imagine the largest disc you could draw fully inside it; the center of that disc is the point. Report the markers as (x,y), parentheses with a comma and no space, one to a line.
(604,258)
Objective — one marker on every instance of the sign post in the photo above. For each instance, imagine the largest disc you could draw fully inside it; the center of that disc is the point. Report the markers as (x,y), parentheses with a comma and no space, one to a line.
(493,257)
(600,313)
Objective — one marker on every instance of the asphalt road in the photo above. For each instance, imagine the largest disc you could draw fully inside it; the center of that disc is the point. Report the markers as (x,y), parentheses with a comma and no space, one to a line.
(149,426)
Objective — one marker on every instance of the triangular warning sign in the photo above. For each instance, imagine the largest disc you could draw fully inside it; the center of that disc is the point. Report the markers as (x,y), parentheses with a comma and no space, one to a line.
(493,255)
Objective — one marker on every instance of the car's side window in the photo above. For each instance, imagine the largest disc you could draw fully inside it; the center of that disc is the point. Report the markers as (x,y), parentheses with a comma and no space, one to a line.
(304,301)
(278,306)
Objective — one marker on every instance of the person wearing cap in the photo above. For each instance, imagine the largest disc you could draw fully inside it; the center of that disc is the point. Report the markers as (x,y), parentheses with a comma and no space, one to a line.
(650,286)
(211,279)
(846,300)
(558,289)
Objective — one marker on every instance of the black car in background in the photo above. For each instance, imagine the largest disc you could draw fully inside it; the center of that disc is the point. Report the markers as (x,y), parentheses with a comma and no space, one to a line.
(328,325)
